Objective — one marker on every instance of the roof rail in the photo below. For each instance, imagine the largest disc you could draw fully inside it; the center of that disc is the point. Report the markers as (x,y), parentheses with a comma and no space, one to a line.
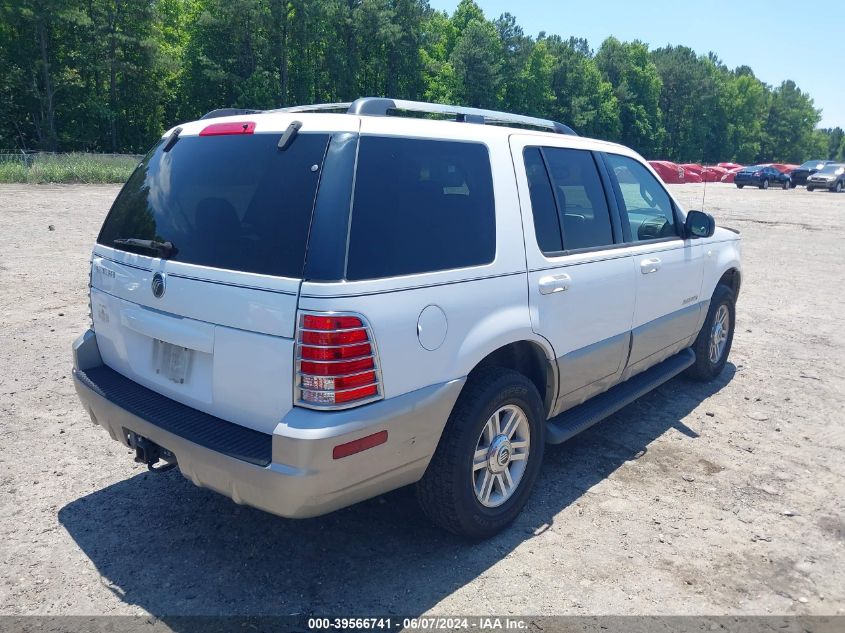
(228,112)
(315,107)
(379,106)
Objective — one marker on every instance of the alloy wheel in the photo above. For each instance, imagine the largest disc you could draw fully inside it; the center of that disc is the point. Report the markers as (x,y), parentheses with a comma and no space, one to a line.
(719,333)
(501,456)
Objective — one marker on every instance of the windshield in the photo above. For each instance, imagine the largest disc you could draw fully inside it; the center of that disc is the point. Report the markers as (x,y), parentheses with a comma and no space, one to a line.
(236,202)
(812,164)
(832,170)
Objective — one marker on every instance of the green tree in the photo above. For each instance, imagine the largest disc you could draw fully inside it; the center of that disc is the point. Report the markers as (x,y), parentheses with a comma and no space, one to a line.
(790,125)
(582,98)
(476,61)
(636,83)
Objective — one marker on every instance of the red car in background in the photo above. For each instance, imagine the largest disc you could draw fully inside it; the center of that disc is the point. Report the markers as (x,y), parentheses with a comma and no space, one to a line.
(713,174)
(671,173)
(729,177)
(693,168)
(730,166)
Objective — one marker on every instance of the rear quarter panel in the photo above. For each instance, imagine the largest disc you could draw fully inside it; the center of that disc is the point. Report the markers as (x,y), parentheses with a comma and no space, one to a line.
(485,306)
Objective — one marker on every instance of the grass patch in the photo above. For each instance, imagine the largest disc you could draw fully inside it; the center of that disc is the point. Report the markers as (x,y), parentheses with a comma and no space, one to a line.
(69,168)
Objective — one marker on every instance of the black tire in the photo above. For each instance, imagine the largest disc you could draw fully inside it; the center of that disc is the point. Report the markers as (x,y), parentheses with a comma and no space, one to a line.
(809,188)
(740,186)
(764,184)
(838,187)
(705,369)
(792,184)
(786,185)
(445,492)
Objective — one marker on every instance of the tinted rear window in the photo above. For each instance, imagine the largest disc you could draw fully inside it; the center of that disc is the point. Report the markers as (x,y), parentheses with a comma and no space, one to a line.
(580,197)
(543,207)
(233,202)
(420,206)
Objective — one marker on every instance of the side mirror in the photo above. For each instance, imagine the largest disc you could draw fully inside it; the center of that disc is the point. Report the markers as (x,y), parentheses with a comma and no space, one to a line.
(699,224)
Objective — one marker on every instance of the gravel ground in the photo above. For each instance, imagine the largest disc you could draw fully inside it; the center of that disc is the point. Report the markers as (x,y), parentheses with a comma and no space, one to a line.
(725,498)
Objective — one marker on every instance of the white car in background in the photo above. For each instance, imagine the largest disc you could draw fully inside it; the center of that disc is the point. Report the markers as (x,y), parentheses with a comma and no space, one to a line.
(307,307)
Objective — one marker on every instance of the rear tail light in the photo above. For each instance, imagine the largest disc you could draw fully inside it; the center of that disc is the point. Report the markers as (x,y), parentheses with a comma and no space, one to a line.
(336,362)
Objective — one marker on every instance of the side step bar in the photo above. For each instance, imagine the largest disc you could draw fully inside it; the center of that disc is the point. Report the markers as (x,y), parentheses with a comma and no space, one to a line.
(570,423)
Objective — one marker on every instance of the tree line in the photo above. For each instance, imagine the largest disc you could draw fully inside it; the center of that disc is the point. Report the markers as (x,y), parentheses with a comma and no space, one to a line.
(111,75)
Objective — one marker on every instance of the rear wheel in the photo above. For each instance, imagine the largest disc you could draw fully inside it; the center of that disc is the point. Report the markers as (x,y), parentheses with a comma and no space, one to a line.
(714,341)
(740,186)
(809,188)
(786,184)
(489,456)
(838,187)
(765,184)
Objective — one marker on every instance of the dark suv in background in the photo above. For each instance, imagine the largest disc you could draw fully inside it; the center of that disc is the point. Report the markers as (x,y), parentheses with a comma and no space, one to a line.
(800,175)
(761,176)
(831,177)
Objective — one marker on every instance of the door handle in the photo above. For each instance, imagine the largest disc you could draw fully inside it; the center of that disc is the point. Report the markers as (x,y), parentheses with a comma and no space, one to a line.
(651,265)
(554,283)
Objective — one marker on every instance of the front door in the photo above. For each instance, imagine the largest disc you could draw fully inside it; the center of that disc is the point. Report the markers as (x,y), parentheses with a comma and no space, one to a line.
(668,269)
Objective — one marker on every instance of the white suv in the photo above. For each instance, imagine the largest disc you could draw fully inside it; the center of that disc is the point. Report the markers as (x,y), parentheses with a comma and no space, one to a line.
(307,307)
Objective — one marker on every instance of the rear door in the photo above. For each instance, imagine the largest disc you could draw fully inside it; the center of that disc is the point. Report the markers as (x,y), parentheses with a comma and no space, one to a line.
(212,325)
(580,281)
(668,269)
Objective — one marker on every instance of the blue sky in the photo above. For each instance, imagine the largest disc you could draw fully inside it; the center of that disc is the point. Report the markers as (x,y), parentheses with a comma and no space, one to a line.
(778,39)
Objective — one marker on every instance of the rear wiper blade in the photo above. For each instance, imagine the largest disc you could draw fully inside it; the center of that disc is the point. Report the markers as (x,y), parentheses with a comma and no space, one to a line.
(165,249)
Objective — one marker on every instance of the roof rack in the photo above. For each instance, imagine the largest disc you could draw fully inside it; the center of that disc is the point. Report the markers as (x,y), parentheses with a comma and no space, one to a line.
(379,106)
(228,112)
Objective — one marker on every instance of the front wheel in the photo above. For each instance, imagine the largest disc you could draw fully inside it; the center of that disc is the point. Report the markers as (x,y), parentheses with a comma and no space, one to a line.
(489,456)
(714,341)
(809,188)
(838,187)
(785,185)
(765,185)
(740,186)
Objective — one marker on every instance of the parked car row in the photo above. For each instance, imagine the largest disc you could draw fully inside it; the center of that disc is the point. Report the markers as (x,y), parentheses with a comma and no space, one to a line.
(814,174)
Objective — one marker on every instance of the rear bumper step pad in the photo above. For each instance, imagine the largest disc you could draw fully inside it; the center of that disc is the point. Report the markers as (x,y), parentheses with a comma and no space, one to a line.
(188,423)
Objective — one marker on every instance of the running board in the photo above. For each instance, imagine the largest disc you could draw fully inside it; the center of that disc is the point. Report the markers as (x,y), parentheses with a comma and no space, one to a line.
(570,423)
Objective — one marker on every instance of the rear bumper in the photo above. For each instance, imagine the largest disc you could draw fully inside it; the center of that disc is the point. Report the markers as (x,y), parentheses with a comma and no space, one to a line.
(301,478)
(753,182)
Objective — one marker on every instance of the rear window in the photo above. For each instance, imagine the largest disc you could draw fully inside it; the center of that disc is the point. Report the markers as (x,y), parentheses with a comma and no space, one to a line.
(420,206)
(234,202)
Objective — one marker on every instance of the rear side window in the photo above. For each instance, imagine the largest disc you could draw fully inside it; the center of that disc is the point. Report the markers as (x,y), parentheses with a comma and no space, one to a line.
(420,206)
(579,197)
(234,202)
(543,208)
(647,206)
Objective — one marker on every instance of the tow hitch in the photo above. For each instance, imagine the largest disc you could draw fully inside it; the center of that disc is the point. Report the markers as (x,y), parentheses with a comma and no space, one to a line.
(149,453)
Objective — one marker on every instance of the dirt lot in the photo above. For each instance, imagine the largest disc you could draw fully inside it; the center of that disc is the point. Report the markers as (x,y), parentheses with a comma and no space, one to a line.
(698,499)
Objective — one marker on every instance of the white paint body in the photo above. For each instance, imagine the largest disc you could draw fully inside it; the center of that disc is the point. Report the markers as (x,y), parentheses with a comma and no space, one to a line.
(241,325)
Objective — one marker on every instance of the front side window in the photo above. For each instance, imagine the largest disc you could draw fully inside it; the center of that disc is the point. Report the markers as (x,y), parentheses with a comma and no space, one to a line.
(420,206)
(645,202)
